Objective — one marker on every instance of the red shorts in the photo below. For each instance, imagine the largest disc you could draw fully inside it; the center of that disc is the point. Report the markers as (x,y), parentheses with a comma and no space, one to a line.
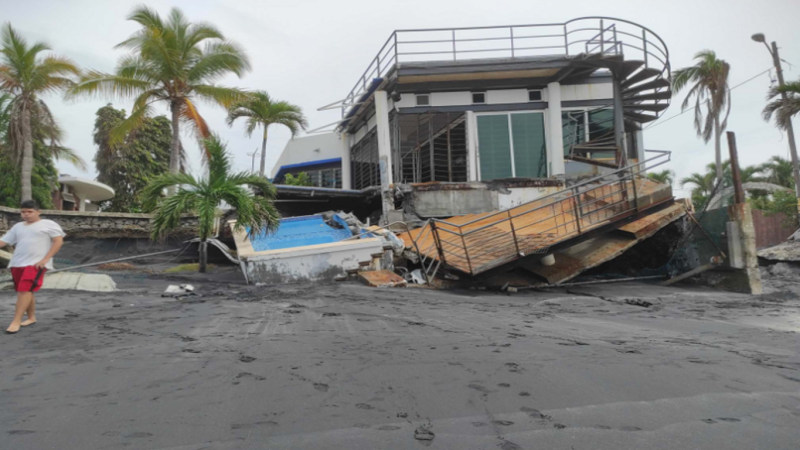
(28,278)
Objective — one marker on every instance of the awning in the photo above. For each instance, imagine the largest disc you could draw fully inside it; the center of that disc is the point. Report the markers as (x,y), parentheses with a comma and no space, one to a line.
(86,189)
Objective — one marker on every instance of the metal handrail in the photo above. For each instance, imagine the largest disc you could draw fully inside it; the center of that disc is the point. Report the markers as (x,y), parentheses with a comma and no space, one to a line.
(611,199)
(587,182)
(390,55)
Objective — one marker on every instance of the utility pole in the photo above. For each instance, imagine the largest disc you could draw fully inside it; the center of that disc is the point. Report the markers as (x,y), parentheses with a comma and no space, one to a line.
(776,60)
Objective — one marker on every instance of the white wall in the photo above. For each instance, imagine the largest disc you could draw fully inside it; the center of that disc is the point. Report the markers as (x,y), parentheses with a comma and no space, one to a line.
(309,148)
(506,96)
(314,262)
(519,196)
(586,92)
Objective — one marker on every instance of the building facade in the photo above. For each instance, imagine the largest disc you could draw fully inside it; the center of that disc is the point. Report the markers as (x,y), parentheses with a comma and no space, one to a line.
(319,156)
(466,107)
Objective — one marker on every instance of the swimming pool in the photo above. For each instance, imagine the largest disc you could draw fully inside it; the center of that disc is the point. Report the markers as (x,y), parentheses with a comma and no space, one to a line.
(300,232)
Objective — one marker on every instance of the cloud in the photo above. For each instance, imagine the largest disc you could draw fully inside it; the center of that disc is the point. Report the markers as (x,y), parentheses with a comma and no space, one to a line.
(312,52)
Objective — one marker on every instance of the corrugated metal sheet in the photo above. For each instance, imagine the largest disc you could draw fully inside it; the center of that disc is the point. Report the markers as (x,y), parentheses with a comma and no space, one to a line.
(771,230)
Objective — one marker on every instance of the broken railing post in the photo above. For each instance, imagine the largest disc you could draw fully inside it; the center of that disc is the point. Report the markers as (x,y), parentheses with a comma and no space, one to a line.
(575,199)
(514,233)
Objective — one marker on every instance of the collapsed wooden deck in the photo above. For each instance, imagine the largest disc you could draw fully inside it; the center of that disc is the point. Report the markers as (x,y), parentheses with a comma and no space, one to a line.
(476,243)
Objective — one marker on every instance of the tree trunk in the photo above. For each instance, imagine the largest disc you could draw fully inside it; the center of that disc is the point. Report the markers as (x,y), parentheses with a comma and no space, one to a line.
(718,150)
(203,256)
(175,150)
(264,152)
(27,155)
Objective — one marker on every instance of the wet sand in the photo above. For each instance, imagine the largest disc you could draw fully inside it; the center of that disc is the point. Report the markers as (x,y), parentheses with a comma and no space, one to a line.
(343,366)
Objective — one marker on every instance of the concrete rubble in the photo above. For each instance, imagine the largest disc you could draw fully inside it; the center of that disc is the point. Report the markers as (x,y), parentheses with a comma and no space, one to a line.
(787,251)
(75,281)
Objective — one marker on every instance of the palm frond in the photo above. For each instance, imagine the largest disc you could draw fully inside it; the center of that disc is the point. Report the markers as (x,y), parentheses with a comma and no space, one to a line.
(783,109)
(167,215)
(260,108)
(255,212)
(191,116)
(154,190)
(69,155)
(221,95)
(130,124)
(218,59)
(108,85)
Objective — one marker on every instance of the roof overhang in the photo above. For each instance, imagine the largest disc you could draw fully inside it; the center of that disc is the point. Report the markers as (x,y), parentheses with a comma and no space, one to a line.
(88,189)
(308,165)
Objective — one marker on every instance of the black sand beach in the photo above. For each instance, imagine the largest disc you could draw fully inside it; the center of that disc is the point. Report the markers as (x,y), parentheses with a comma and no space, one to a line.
(324,366)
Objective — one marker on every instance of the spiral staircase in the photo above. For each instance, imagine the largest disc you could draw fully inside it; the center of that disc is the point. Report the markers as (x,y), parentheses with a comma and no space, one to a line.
(641,86)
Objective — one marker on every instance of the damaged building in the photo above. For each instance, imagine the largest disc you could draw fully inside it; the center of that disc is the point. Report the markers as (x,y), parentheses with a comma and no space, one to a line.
(509,145)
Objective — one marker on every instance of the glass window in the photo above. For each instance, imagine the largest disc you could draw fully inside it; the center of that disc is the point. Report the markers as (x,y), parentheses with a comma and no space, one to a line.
(520,136)
(494,145)
(601,125)
(530,148)
(573,124)
(327,178)
(479,97)
(338,178)
(535,95)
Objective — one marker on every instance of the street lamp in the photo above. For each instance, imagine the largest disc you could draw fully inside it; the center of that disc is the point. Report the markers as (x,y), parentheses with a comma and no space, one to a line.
(255,152)
(776,59)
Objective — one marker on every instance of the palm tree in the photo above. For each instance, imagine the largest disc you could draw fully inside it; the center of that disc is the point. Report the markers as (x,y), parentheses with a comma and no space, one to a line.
(703,185)
(710,89)
(778,171)
(666,176)
(25,75)
(204,196)
(172,61)
(5,116)
(783,110)
(261,110)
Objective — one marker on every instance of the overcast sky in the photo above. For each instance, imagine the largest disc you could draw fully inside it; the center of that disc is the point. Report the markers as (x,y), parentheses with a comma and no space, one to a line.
(311,53)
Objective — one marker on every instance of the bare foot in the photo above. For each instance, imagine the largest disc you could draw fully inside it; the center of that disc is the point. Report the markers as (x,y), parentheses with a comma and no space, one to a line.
(28,322)
(13,328)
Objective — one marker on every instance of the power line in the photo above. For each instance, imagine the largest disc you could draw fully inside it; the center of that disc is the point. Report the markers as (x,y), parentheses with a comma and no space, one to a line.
(693,107)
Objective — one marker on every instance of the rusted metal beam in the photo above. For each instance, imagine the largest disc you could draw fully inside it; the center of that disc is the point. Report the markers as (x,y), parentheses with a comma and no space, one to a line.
(691,273)
(738,191)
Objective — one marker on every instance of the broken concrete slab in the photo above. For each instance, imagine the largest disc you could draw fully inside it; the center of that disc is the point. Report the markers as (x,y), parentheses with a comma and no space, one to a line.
(572,261)
(5,258)
(76,281)
(382,278)
(788,251)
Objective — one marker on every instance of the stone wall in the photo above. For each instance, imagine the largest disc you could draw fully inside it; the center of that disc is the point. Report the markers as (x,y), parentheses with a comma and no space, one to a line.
(98,224)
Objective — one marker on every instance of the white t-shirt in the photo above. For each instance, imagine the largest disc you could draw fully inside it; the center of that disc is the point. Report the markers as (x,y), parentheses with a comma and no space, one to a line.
(32,242)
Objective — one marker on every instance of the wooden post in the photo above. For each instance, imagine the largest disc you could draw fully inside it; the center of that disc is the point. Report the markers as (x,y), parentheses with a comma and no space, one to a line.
(738,191)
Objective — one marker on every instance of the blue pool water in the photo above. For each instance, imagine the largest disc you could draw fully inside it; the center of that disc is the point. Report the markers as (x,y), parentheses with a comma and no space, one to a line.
(299,232)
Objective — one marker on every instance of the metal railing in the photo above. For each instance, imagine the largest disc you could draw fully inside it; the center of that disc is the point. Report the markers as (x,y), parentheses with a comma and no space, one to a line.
(585,35)
(497,238)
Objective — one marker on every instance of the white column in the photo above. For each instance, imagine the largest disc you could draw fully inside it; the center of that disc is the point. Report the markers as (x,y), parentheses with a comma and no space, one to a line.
(639,137)
(472,146)
(81,204)
(347,182)
(555,150)
(384,148)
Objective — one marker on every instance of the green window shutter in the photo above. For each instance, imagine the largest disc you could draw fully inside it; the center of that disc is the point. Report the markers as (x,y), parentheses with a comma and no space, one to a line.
(530,148)
(494,146)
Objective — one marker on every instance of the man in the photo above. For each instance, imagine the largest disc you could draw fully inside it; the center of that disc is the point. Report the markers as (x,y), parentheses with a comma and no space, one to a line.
(37,240)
